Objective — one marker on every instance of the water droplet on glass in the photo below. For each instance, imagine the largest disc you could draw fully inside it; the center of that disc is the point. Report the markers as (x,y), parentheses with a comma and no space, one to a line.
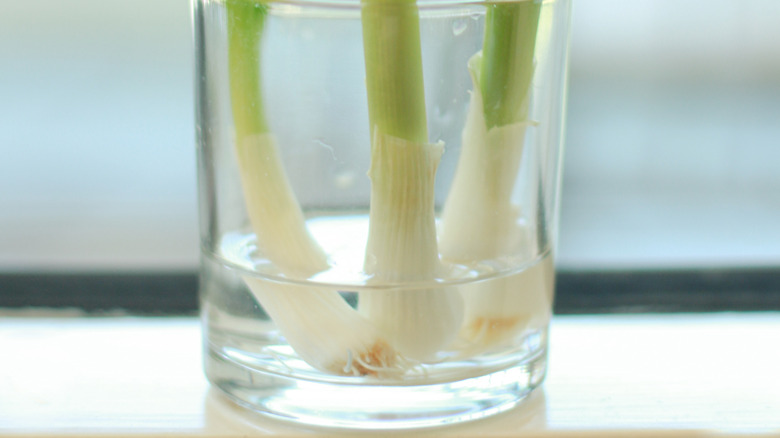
(345,180)
(459,26)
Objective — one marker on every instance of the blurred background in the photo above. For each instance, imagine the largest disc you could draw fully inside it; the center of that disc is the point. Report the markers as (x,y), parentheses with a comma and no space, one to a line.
(673,138)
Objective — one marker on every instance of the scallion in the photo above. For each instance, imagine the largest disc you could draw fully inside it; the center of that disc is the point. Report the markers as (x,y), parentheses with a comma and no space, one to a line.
(402,245)
(318,324)
(479,220)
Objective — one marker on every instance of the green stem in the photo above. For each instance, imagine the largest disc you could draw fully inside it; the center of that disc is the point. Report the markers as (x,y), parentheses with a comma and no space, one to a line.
(394,75)
(403,163)
(271,205)
(479,219)
(507,61)
(321,327)
(245,25)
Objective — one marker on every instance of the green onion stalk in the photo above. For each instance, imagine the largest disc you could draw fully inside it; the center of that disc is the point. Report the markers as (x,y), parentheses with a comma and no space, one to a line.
(418,320)
(479,220)
(318,324)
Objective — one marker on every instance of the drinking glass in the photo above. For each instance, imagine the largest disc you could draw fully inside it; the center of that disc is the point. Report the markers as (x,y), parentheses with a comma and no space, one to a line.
(378,187)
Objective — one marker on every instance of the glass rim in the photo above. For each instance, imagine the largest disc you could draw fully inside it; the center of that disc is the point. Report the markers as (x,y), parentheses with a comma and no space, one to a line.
(357,4)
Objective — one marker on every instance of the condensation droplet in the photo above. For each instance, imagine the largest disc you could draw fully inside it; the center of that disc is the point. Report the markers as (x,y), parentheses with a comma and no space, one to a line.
(345,180)
(459,26)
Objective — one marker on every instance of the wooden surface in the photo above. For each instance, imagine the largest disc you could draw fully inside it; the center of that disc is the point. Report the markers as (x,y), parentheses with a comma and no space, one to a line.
(648,375)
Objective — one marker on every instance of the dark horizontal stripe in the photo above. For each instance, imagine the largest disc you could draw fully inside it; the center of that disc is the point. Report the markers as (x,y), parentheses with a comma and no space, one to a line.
(577,292)
(143,293)
(703,290)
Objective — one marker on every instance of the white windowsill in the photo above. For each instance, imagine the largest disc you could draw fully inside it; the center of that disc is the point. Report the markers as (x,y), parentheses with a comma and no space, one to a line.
(669,375)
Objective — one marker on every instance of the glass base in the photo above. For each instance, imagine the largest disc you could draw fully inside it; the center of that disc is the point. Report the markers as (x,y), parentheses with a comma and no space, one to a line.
(367,406)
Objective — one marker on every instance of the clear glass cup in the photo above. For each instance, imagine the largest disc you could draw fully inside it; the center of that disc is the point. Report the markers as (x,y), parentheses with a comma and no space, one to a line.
(379,187)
